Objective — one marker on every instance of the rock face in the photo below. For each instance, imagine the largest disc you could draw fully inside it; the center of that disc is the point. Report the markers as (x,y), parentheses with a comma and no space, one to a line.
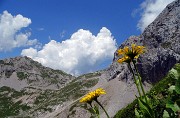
(162,41)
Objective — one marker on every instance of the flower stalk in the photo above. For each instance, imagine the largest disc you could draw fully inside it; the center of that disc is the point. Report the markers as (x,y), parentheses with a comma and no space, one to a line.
(102,108)
(140,82)
(129,55)
(97,114)
(135,80)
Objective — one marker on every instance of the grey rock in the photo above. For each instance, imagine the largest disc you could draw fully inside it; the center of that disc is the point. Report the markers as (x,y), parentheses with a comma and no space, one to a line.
(162,41)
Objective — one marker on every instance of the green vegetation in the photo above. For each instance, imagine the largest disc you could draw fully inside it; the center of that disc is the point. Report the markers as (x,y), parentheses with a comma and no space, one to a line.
(90,75)
(73,90)
(159,96)
(22,75)
(7,106)
(61,72)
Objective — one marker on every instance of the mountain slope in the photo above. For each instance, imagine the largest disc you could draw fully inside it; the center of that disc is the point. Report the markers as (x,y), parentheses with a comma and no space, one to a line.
(21,72)
(29,89)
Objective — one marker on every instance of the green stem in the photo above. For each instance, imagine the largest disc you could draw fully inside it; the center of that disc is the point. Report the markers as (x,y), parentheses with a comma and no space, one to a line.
(95,111)
(102,108)
(139,77)
(135,79)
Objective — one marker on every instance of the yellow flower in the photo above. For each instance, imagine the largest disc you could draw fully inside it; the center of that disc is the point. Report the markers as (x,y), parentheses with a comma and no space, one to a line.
(88,98)
(130,54)
(124,59)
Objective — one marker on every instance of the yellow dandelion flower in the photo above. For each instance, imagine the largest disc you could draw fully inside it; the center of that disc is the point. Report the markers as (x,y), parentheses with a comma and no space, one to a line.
(124,59)
(120,52)
(130,54)
(88,98)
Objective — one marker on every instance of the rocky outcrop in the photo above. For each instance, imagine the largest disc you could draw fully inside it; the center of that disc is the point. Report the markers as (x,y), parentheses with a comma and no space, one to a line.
(162,41)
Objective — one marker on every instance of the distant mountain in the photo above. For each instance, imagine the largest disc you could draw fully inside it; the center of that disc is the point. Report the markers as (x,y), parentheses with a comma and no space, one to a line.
(31,90)
(21,72)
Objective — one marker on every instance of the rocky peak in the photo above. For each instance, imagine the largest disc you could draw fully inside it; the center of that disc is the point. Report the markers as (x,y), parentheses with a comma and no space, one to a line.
(20,72)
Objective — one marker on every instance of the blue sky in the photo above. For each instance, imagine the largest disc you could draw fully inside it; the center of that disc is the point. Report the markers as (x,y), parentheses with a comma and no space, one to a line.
(44,24)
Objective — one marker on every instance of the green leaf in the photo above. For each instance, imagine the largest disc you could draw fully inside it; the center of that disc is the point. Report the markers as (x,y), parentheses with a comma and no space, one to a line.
(176,107)
(172,106)
(177,86)
(171,89)
(166,114)
(145,108)
(96,109)
(137,114)
(174,73)
(178,102)
(137,81)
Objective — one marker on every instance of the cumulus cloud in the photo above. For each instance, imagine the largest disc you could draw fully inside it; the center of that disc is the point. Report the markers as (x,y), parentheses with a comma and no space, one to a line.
(82,53)
(151,9)
(10,35)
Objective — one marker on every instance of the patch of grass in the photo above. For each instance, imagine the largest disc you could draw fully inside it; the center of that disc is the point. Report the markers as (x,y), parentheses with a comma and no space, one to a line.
(90,83)
(22,75)
(61,72)
(7,106)
(73,90)
(45,75)
(160,89)
(90,75)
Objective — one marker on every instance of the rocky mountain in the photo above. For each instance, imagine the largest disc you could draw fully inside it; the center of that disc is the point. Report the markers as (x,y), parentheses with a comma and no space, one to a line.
(32,91)
(28,89)
(22,72)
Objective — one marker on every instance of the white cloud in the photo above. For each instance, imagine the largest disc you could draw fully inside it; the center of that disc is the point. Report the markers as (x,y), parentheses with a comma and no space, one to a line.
(82,53)
(151,9)
(10,35)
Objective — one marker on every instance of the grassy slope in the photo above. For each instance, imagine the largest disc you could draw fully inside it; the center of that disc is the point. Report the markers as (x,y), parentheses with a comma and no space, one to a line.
(160,91)
(46,98)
